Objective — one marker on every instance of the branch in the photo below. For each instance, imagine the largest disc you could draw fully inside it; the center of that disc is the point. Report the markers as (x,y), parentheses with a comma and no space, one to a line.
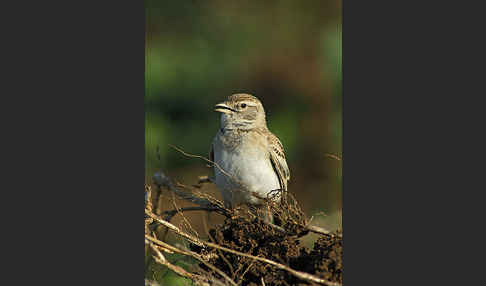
(195,240)
(160,179)
(171,213)
(174,228)
(160,258)
(190,253)
(318,230)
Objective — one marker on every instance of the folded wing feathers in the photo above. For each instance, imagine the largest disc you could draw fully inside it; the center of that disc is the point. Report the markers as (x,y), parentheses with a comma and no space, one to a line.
(279,163)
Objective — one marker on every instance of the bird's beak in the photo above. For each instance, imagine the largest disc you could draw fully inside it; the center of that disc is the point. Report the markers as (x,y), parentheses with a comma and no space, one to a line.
(223,107)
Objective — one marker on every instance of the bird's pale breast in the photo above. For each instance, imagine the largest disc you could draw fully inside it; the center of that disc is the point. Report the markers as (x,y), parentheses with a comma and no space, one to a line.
(249,166)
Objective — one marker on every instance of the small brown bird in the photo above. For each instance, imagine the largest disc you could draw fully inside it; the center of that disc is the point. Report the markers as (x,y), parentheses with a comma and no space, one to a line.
(249,157)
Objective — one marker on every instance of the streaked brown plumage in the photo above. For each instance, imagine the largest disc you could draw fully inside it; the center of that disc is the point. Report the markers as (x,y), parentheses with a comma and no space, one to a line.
(251,157)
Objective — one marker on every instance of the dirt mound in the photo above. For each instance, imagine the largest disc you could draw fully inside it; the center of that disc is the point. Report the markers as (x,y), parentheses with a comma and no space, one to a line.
(254,237)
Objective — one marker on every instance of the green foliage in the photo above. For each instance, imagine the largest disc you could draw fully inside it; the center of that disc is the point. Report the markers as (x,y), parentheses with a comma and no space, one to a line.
(287,53)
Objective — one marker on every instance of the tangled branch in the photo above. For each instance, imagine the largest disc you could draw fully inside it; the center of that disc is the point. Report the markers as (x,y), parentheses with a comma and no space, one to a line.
(207,204)
(195,240)
(162,180)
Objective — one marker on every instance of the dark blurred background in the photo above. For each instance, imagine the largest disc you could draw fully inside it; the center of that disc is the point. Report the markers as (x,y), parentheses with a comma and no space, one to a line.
(287,53)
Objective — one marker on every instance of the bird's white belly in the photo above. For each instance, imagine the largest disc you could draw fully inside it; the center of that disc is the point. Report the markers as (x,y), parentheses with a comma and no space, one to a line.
(250,172)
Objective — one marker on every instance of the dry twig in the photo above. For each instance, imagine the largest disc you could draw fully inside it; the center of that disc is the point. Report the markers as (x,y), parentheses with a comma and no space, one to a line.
(160,258)
(205,203)
(171,213)
(195,240)
(189,253)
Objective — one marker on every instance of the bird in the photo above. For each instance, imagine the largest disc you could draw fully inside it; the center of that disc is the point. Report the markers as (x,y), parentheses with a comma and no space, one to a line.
(248,160)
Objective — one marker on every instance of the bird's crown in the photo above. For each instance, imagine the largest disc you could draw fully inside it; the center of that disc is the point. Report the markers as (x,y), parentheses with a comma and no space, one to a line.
(238,97)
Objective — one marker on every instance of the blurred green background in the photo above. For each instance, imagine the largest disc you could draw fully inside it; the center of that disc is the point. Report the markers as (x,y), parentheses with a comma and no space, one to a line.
(287,53)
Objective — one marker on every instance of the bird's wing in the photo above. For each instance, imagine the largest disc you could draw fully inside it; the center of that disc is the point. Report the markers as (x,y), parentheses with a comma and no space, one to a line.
(277,157)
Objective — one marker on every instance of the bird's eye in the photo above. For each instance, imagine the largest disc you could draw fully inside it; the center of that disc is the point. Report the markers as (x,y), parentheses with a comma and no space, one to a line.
(243,105)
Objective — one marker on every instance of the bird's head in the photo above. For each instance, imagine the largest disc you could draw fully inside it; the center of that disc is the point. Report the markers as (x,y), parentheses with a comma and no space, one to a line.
(241,111)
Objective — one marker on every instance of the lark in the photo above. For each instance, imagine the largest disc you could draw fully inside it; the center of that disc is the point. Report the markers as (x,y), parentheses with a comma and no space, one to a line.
(250,160)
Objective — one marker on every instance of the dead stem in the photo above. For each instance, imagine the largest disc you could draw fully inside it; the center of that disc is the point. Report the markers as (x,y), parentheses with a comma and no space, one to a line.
(290,213)
(164,245)
(212,204)
(195,240)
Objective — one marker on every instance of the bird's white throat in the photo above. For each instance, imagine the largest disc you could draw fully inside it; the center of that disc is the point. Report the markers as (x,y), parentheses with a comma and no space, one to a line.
(228,122)
(225,121)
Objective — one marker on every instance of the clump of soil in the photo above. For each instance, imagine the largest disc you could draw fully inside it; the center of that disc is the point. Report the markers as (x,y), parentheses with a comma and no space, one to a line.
(325,259)
(253,236)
